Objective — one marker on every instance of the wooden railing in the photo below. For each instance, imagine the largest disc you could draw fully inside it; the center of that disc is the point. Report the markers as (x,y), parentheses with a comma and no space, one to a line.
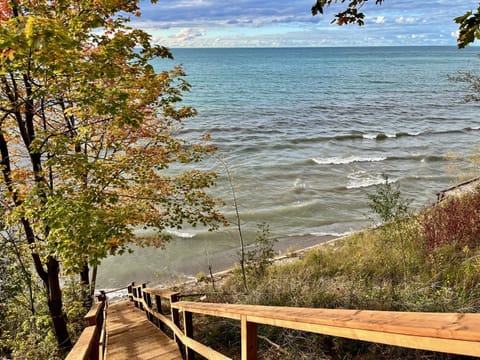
(455,333)
(91,343)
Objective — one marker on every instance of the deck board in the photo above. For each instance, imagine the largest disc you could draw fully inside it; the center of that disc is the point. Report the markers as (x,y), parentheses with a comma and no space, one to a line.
(131,336)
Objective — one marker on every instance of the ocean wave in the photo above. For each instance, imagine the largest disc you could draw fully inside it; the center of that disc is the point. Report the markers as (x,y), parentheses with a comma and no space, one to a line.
(405,134)
(347,137)
(472,128)
(335,234)
(383,136)
(299,185)
(321,234)
(374,135)
(347,160)
(379,136)
(419,157)
(353,159)
(180,234)
(363,179)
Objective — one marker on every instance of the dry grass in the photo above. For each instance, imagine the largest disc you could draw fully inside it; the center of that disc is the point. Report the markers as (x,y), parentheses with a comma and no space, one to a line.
(391,268)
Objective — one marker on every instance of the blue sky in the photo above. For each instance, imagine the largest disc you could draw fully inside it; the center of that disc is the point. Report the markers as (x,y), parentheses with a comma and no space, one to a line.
(284,23)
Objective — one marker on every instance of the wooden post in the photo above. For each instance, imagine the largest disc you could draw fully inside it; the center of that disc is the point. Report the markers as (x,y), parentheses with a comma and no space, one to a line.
(176,319)
(134,294)
(130,290)
(158,303)
(249,339)
(148,300)
(95,352)
(188,329)
(140,294)
(175,313)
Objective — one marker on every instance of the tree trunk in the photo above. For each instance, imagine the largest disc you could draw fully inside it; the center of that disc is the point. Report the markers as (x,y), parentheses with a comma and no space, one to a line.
(85,281)
(94,281)
(84,277)
(55,305)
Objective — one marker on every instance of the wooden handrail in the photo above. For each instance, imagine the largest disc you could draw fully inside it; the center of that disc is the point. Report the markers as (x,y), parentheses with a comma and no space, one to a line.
(91,343)
(85,348)
(456,333)
(444,332)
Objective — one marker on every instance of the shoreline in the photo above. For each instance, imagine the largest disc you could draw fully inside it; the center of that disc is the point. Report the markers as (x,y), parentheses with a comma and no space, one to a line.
(288,248)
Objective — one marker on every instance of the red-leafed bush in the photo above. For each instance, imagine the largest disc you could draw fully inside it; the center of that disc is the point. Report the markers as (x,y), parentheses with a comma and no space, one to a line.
(456,220)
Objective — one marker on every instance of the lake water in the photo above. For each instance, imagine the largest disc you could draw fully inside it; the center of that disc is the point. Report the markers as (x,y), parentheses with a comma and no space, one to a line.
(307,133)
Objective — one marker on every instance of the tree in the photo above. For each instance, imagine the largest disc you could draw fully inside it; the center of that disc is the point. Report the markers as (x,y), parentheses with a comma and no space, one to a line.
(469,23)
(347,16)
(87,135)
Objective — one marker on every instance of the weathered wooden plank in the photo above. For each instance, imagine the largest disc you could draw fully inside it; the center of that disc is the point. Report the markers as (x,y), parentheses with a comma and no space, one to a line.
(462,347)
(167,294)
(203,350)
(84,344)
(132,336)
(249,339)
(210,309)
(94,313)
(444,332)
(443,325)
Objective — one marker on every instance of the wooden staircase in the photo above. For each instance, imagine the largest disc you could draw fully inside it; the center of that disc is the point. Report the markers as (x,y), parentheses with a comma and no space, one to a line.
(132,336)
(133,328)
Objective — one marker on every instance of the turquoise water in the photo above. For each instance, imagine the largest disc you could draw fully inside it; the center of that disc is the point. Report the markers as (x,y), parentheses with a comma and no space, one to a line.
(307,133)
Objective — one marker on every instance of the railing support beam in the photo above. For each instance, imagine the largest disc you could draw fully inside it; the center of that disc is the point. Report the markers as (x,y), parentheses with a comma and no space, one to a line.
(188,330)
(249,339)
(158,303)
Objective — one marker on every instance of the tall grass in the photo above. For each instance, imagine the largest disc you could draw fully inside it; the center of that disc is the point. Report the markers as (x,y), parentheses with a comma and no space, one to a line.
(427,262)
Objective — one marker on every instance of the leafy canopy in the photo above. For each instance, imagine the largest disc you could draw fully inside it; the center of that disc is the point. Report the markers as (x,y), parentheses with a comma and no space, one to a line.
(88,132)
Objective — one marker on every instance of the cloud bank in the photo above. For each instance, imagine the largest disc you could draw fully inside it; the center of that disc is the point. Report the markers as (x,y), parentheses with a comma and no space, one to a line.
(268,23)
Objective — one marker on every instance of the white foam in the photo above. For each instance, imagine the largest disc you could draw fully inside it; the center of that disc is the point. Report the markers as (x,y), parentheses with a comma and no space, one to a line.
(114,295)
(361,179)
(374,136)
(332,234)
(347,160)
(300,184)
(180,234)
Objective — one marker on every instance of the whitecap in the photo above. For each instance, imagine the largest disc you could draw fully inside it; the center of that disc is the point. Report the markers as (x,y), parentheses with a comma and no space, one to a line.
(347,160)
(361,179)
(335,234)
(299,184)
(180,234)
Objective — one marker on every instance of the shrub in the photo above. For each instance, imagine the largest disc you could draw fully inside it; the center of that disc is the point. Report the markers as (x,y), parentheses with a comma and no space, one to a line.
(456,220)
(261,255)
(387,202)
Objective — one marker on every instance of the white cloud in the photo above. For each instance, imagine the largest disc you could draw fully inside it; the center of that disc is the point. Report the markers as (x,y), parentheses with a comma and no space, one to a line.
(207,23)
(187,34)
(405,20)
(411,36)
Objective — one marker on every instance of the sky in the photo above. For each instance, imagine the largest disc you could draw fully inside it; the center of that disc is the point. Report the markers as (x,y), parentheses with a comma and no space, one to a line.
(289,23)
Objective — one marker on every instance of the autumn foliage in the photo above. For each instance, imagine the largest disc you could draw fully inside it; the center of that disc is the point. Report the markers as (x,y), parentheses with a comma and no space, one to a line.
(5,10)
(88,139)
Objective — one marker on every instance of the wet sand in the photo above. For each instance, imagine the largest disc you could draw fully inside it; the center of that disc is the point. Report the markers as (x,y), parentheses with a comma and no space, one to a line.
(226,260)
(223,262)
